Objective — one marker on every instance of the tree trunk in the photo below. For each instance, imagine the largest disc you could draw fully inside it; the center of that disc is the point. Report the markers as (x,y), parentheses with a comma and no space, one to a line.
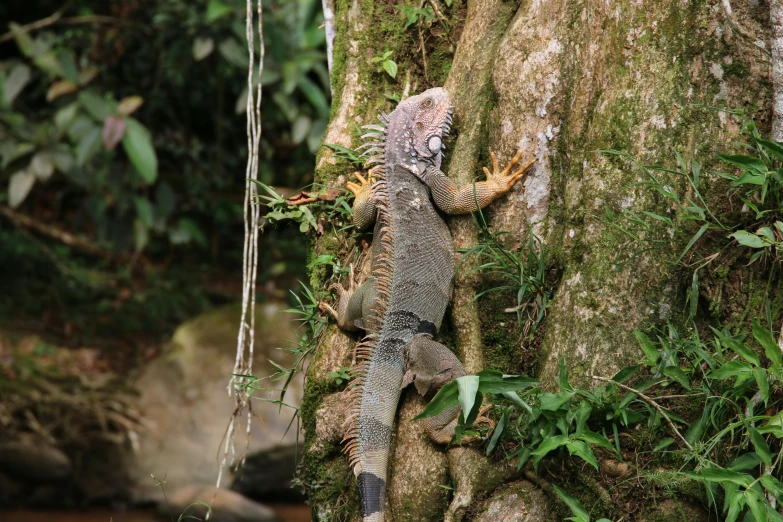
(558,79)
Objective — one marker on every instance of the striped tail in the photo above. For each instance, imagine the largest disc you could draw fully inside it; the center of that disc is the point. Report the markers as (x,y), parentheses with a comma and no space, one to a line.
(377,410)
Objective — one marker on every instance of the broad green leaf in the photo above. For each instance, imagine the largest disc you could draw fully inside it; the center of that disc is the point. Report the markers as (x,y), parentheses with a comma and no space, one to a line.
(731,369)
(19,186)
(678,375)
(203,47)
(141,235)
(493,381)
(216,10)
(95,105)
(23,40)
(664,443)
(747,239)
(598,439)
(745,462)
(552,401)
(696,430)
(626,373)
(573,503)
(64,117)
(467,387)
(314,95)
(746,162)
(193,231)
(88,146)
(762,449)
(772,485)
(234,52)
(60,88)
(15,82)
(549,444)
(390,66)
(446,397)
(42,165)
(756,505)
(773,147)
(765,339)
(736,505)
(301,129)
(741,350)
(583,451)
(144,210)
(762,381)
(774,425)
(137,143)
(647,347)
(720,475)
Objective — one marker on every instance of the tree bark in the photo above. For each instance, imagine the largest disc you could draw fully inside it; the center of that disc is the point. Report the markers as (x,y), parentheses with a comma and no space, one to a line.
(558,79)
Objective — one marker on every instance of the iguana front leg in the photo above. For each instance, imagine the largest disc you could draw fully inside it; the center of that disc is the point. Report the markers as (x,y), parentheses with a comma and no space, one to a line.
(453,200)
(364,205)
(428,366)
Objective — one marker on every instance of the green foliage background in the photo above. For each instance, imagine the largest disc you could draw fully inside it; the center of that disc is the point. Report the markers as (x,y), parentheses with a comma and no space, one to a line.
(122,124)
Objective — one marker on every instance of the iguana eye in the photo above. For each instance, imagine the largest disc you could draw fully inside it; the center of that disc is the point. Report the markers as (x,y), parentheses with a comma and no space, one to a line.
(427,102)
(434,144)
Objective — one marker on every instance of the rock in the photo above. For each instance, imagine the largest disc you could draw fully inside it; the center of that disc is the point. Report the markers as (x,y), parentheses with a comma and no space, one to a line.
(680,511)
(474,474)
(186,405)
(34,460)
(227,506)
(268,475)
(519,502)
(329,423)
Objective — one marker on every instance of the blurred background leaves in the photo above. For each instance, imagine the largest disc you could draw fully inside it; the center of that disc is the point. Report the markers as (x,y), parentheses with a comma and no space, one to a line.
(122,157)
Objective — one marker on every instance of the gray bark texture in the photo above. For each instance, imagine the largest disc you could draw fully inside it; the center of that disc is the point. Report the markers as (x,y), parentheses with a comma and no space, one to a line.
(558,79)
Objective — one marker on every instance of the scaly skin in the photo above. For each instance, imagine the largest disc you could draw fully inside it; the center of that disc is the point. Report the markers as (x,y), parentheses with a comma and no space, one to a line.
(401,306)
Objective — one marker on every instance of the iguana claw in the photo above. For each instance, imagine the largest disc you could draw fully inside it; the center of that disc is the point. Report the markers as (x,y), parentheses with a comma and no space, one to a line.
(362,188)
(504,179)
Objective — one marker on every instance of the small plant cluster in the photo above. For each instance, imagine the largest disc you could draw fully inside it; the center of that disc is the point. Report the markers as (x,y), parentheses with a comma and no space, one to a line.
(334,206)
(731,448)
(523,273)
(759,186)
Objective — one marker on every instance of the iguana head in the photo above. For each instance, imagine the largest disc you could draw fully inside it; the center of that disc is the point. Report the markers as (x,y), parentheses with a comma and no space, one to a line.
(414,132)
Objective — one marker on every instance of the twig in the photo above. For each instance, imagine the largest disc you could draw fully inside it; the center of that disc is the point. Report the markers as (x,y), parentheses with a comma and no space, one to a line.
(652,403)
(57,18)
(77,243)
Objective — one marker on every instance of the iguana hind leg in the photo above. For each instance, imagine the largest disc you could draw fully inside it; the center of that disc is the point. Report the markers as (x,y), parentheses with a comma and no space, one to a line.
(352,304)
(428,366)
(364,204)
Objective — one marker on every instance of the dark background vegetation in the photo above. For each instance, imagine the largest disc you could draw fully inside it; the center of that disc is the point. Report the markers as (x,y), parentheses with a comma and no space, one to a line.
(122,162)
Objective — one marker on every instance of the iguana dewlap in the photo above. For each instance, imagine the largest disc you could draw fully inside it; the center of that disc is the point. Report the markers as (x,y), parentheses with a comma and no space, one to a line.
(401,306)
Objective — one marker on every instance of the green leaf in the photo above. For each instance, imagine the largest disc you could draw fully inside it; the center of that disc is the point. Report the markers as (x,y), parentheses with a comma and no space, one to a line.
(23,40)
(678,375)
(446,397)
(773,147)
(774,425)
(19,186)
(731,369)
(549,444)
(693,240)
(762,381)
(234,53)
(762,449)
(493,381)
(553,402)
(597,439)
(315,95)
(772,485)
(202,47)
(745,462)
(88,146)
(137,143)
(390,66)
(746,162)
(15,82)
(696,430)
(720,475)
(626,373)
(747,239)
(693,296)
(756,505)
(499,429)
(765,339)
(216,10)
(467,387)
(144,210)
(647,347)
(576,507)
(98,108)
(141,235)
(583,451)
(664,443)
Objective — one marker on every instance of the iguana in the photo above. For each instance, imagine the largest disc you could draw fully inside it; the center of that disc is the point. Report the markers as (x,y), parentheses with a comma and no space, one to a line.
(401,305)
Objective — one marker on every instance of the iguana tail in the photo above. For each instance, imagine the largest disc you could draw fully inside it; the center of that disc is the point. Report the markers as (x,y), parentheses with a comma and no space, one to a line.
(375,389)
